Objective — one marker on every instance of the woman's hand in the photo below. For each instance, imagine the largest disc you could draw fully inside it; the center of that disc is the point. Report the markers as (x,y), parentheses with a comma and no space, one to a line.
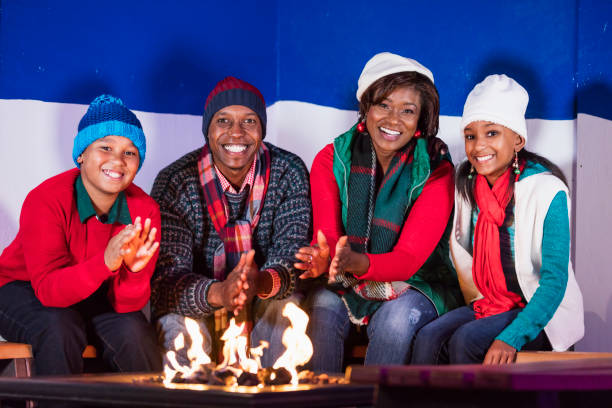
(500,353)
(315,259)
(138,251)
(347,260)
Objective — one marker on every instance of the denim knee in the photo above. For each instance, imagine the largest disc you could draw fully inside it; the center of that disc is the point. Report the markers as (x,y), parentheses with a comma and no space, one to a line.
(464,348)
(170,326)
(327,312)
(393,326)
(402,316)
(269,325)
(59,329)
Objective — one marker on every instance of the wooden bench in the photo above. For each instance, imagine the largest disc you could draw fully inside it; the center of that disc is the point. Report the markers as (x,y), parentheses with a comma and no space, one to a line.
(358,352)
(22,358)
(535,356)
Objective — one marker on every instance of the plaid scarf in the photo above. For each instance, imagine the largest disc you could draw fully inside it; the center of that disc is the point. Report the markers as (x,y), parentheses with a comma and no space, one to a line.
(374,220)
(236,236)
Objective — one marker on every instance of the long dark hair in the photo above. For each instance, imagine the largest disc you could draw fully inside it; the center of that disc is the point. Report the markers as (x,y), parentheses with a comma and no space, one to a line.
(465,186)
(430,100)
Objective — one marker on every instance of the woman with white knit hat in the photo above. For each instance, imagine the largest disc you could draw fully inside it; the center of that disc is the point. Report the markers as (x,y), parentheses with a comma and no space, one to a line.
(510,242)
(382,195)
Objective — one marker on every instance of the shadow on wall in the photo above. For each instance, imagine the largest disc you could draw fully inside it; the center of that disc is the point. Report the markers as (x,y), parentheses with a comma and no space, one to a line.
(593,323)
(8,230)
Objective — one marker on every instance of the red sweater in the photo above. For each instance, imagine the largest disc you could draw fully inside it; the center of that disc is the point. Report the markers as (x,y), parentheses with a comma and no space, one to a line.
(420,234)
(64,258)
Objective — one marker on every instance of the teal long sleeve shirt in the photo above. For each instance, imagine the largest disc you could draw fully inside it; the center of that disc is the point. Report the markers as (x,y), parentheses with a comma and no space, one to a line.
(553,278)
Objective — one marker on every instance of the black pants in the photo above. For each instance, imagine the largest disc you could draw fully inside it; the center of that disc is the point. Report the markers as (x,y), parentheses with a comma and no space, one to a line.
(126,341)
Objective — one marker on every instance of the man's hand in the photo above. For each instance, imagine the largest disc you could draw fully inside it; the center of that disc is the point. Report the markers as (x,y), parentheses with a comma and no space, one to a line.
(231,294)
(138,251)
(347,260)
(500,353)
(314,259)
(252,284)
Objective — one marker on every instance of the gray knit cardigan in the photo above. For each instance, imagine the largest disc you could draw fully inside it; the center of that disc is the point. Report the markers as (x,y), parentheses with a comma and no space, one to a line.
(184,270)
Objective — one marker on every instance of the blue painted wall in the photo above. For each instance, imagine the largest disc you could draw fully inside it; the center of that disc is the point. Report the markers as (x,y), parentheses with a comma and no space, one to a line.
(594,62)
(164,57)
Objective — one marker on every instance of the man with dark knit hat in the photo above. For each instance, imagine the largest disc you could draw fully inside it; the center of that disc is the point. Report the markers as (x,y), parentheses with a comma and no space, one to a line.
(78,271)
(233,214)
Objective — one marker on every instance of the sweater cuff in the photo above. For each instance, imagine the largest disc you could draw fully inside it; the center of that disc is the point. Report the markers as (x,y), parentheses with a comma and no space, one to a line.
(104,271)
(201,297)
(132,275)
(516,341)
(276,284)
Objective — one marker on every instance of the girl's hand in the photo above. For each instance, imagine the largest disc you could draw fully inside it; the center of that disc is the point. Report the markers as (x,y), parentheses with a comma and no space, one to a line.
(500,353)
(315,259)
(347,260)
(138,251)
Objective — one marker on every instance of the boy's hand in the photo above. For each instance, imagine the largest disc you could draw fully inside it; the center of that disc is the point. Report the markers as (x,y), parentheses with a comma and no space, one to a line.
(314,259)
(113,254)
(138,251)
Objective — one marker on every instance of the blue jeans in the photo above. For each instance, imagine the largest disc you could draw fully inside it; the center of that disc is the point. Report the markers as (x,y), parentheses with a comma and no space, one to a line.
(390,330)
(269,325)
(126,341)
(457,337)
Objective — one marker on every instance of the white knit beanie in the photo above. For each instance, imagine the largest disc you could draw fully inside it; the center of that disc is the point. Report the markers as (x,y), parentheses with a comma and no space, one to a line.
(498,99)
(384,64)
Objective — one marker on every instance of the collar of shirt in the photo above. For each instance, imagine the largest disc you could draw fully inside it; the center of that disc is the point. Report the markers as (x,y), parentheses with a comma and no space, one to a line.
(248,180)
(119,212)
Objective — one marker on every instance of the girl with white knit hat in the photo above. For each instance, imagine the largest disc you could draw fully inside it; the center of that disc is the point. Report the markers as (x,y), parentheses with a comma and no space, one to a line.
(510,242)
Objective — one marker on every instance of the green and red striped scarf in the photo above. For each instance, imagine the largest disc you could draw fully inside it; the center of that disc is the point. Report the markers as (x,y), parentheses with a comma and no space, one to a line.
(373,219)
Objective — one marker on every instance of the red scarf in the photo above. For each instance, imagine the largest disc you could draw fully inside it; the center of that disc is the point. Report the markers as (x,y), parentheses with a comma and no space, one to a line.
(487,267)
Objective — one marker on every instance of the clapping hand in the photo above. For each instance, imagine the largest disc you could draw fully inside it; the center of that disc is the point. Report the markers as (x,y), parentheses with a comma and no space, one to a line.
(314,259)
(347,260)
(138,250)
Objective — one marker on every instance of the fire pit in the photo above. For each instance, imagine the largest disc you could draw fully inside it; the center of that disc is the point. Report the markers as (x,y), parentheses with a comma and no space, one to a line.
(242,365)
(238,381)
(140,390)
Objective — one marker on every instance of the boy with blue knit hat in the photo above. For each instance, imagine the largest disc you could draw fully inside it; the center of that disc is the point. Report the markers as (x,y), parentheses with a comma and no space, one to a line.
(78,271)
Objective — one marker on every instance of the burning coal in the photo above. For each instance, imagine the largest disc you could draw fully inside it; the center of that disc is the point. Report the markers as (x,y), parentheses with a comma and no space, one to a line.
(241,366)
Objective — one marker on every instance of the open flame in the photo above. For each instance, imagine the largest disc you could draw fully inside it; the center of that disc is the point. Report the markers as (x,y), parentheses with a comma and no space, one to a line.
(298,346)
(236,356)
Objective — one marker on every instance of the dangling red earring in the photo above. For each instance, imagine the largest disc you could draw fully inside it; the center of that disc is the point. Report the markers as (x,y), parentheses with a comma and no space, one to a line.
(517,168)
(361,127)
(417,133)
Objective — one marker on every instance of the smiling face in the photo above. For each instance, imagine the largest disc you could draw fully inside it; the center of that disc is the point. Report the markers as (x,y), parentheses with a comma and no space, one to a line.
(234,137)
(392,122)
(490,148)
(108,166)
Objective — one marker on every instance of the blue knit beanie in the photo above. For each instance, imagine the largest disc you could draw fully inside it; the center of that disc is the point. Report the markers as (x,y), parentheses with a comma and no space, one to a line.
(108,116)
